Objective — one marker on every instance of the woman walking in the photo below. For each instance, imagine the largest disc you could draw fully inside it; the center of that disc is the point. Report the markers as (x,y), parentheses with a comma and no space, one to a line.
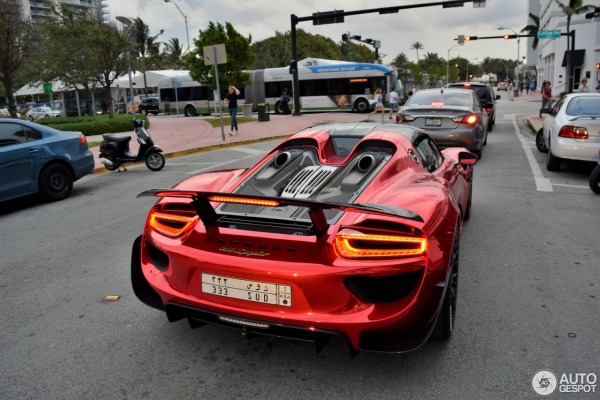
(378,104)
(231,98)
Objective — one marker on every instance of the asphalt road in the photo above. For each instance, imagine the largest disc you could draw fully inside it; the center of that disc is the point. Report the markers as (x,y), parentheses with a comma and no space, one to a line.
(528,297)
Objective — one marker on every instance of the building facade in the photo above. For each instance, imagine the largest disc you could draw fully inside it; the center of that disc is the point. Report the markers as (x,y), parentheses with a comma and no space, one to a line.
(39,9)
(550,58)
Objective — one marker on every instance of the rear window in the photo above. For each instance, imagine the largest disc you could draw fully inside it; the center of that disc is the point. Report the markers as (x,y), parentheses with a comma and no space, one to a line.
(584,106)
(439,99)
(479,90)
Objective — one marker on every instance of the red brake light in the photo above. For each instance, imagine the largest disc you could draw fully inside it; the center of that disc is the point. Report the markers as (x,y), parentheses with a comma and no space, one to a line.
(172,224)
(354,245)
(467,85)
(437,104)
(405,118)
(83,140)
(573,132)
(469,119)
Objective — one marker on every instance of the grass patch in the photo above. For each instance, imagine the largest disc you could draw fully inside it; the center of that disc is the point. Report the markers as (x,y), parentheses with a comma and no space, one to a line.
(93,144)
(216,122)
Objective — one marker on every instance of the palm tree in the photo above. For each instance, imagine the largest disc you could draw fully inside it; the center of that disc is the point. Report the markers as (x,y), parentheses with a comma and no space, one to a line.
(574,7)
(173,53)
(146,44)
(533,29)
(417,46)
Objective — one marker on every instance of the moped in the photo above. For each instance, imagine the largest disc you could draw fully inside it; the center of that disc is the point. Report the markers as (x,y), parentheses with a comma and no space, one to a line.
(114,150)
(595,178)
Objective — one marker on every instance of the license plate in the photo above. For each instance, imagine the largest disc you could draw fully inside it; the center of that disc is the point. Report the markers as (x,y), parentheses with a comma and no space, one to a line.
(433,122)
(242,289)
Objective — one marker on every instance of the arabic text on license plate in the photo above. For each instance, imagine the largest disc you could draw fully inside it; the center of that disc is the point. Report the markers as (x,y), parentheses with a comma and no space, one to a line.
(242,289)
(433,122)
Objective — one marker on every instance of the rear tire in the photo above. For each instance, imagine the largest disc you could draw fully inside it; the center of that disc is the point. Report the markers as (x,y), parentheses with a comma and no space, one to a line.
(444,325)
(144,113)
(595,180)
(361,106)
(155,161)
(56,182)
(553,162)
(190,111)
(539,141)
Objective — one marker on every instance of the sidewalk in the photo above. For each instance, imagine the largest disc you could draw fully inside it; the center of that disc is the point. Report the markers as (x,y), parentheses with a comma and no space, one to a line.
(179,135)
(534,121)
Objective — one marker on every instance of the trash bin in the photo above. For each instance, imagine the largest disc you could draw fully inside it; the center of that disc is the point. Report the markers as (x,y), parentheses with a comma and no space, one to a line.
(516,94)
(263,111)
(247,110)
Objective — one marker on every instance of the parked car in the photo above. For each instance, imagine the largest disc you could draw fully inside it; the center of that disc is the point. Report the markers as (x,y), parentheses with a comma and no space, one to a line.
(41,112)
(148,105)
(4,112)
(502,86)
(452,117)
(347,229)
(35,158)
(486,95)
(571,130)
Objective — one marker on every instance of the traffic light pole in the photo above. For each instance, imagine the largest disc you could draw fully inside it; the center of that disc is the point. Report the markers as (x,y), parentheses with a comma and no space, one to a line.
(334,17)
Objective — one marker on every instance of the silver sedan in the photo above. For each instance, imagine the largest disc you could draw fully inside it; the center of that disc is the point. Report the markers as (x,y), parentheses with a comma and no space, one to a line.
(41,112)
(451,117)
(571,129)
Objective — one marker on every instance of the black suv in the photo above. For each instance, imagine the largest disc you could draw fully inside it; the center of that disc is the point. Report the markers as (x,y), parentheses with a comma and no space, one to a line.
(487,99)
(148,105)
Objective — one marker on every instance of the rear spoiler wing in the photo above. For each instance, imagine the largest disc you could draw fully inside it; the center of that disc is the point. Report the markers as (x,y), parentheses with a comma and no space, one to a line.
(201,204)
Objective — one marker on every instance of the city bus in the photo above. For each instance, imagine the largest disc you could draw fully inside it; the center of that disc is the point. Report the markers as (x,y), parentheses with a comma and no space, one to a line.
(324,85)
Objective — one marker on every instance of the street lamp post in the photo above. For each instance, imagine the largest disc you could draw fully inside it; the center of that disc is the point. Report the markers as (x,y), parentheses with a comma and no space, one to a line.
(518,45)
(448,62)
(126,23)
(186,24)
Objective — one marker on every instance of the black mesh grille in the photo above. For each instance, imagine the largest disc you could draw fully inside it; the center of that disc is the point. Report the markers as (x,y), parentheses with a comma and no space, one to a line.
(385,289)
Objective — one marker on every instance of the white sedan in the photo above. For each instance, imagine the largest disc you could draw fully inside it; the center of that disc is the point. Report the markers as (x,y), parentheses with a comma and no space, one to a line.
(41,112)
(572,129)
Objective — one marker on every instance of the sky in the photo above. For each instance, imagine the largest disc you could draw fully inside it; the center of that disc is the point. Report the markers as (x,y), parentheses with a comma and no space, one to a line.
(435,27)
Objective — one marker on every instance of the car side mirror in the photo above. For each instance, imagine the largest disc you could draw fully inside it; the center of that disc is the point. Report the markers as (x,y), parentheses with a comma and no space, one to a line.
(467,159)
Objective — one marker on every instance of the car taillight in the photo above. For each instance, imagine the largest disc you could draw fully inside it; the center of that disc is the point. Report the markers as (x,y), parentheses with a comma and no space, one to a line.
(469,119)
(573,132)
(172,224)
(488,109)
(404,118)
(355,245)
(83,140)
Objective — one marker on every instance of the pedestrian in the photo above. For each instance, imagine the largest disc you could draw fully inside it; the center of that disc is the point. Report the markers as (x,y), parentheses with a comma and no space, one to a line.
(284,99)
(527,86)
(521,87)
(532,86)
(583,87)
(120,107)
(231,98)
(394,101)
(546,94)
(378,104)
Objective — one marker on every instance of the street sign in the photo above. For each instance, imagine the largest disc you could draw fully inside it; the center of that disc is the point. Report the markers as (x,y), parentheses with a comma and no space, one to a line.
(215,54)
(551,34)
(47,88)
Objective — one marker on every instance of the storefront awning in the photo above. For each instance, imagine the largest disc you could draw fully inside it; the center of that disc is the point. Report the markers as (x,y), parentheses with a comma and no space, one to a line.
(578,56)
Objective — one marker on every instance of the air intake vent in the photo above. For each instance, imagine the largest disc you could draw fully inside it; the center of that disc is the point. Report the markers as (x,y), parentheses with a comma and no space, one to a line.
(308,181)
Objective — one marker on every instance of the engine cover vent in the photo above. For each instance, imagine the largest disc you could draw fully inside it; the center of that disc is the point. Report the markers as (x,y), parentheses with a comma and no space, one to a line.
(308,181)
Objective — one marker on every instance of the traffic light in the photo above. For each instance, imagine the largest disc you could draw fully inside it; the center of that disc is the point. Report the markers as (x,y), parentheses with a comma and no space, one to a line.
(597,65)
(293,66)
(345,37)
(510,37)
(468,38)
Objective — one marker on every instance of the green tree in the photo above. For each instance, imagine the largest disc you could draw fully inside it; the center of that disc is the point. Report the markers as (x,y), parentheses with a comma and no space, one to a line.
(573,7)
(239,57)
(147,45)
(17,49)
(275,51)
(533,29)
(173,57)
(403,68)
(417,46)
(356,52)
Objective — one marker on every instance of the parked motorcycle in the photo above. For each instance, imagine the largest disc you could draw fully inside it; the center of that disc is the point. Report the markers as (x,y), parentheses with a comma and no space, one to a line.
(595,178)
(114,150)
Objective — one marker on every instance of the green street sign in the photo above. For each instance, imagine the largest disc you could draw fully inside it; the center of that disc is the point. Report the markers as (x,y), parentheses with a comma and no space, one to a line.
(551,34)
(47,88)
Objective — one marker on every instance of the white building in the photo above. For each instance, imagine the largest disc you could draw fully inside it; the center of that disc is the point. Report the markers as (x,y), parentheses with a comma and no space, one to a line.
(550,56)
(39,9)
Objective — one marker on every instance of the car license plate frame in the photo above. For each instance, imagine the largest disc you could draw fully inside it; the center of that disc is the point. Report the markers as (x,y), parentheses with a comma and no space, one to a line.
(433,122)
(247,290)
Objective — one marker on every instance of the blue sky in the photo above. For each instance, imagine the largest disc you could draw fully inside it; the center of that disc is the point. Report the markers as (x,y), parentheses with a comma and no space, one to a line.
(435,27)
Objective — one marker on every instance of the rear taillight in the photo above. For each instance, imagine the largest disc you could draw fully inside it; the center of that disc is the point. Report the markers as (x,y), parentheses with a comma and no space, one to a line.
(355,245)
(488,109)
(83,140)
(172,223)
(404,118)
(573,132)
(469,119)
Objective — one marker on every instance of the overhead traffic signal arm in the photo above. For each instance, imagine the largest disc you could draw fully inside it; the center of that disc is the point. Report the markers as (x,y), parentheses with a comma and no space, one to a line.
(468,38)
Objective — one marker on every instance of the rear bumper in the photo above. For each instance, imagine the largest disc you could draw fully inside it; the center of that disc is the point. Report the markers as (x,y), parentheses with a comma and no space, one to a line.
(400,326)
(573,149)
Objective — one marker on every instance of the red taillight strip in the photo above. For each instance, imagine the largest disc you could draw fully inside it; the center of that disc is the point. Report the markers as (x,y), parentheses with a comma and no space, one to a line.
(573,132)
(355,245)
(250,201)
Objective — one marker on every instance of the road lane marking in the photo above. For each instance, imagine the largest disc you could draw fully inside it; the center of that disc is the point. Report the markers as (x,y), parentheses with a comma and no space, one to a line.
(219,166)
(542,184)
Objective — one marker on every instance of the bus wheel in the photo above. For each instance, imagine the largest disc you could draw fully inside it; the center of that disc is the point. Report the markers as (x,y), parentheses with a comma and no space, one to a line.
(190,111)
(361,106)
(278,109)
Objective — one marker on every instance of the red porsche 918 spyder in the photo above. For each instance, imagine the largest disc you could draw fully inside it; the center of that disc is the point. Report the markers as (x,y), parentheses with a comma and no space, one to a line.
(345,229)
